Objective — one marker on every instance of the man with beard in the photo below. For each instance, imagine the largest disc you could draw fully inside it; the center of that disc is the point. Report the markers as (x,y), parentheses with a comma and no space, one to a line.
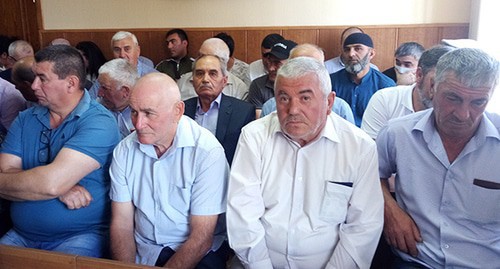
(402,100)
(358,81)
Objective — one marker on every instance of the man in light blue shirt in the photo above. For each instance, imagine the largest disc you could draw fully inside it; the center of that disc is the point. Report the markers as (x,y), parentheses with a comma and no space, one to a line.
(169,184)
(447,184)
(125,46)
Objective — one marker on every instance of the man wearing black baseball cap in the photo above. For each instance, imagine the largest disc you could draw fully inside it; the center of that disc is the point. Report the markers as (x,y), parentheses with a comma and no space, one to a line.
(262,88)
(358,81)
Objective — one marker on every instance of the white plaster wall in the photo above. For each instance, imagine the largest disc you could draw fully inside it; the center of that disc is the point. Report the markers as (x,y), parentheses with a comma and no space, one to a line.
(105,14)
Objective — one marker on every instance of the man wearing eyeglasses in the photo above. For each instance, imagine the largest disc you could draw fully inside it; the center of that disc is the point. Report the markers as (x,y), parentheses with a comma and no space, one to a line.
(18,50)
(54,162)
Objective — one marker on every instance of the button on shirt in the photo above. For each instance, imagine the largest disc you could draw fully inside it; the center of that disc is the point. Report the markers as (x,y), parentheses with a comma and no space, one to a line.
(208,119)
(189,179)
(458,219)
(317,206)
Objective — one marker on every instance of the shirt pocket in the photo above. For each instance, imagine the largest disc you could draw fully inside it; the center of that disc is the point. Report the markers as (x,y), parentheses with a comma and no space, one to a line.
(335,201)
(179,199)
(483,205)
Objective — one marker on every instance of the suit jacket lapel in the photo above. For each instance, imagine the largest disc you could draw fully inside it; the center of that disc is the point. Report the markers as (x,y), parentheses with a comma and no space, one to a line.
(190,107)
(224,118)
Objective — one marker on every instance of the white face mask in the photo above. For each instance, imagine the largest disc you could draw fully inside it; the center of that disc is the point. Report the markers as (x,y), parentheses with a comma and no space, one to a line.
(403,70)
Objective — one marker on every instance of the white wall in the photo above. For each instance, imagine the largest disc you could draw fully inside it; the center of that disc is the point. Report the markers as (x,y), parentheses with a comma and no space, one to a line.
(106,14)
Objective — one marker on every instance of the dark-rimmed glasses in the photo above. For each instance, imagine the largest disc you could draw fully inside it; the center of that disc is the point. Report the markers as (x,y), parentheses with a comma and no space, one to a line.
(44,151)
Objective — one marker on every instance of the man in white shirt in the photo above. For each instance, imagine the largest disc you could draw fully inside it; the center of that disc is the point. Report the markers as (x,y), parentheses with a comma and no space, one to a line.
(116,78)
(303,189)
(394,102)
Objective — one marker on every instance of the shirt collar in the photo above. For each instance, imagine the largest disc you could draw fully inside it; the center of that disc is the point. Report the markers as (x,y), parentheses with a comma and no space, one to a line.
(214,105)
(82,106)
(183,138)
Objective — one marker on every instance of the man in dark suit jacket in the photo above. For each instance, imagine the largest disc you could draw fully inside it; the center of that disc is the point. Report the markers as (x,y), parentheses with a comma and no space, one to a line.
(223,115)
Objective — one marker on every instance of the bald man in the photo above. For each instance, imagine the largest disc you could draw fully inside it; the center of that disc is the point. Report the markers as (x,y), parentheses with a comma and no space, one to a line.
(234,87)
(169,184)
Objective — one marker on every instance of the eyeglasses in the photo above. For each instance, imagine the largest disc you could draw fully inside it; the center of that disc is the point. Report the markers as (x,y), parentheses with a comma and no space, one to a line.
(12,59)
(44,151)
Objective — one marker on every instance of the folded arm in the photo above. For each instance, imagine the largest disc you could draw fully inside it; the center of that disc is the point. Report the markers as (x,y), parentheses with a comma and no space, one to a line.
(43,182)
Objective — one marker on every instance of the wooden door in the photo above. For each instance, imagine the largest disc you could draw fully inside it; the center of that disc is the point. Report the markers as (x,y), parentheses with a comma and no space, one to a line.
(21,18)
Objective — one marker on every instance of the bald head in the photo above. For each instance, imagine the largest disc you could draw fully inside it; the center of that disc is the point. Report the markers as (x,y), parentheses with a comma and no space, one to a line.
(347,32)
(308,50)
(215,46)
(157,108)
(158,85)
(60,41)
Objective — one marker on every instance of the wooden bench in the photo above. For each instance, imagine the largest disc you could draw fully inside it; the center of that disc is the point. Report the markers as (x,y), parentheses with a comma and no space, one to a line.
(25,258)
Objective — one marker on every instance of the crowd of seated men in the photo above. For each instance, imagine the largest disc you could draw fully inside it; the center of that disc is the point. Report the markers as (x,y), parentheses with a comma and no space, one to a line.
(290,161)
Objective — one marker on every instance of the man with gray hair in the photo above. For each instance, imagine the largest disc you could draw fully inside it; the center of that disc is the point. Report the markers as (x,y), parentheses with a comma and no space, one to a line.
(446,213)
(303,189)
(234,87)
(117,77)
(125,46)
(397,101)
(405,63)
(223,115)
(340,106)
(17,51)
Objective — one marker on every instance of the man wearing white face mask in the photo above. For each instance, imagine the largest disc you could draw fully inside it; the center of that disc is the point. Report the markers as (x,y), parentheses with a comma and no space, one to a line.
(405,67)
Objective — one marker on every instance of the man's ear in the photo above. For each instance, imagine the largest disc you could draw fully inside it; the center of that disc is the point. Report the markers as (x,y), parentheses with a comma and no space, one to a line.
(226,77)
(432,90)
(330,100)
(125,91)
(372,53)
(179,109)
(73,82)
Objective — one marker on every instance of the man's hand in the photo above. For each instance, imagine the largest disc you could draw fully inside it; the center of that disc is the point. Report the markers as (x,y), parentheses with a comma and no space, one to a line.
(77,197)
(400,230)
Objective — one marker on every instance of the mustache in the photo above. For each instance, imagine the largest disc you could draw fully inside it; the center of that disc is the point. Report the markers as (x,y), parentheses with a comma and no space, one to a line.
(205,85)
(294,118)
